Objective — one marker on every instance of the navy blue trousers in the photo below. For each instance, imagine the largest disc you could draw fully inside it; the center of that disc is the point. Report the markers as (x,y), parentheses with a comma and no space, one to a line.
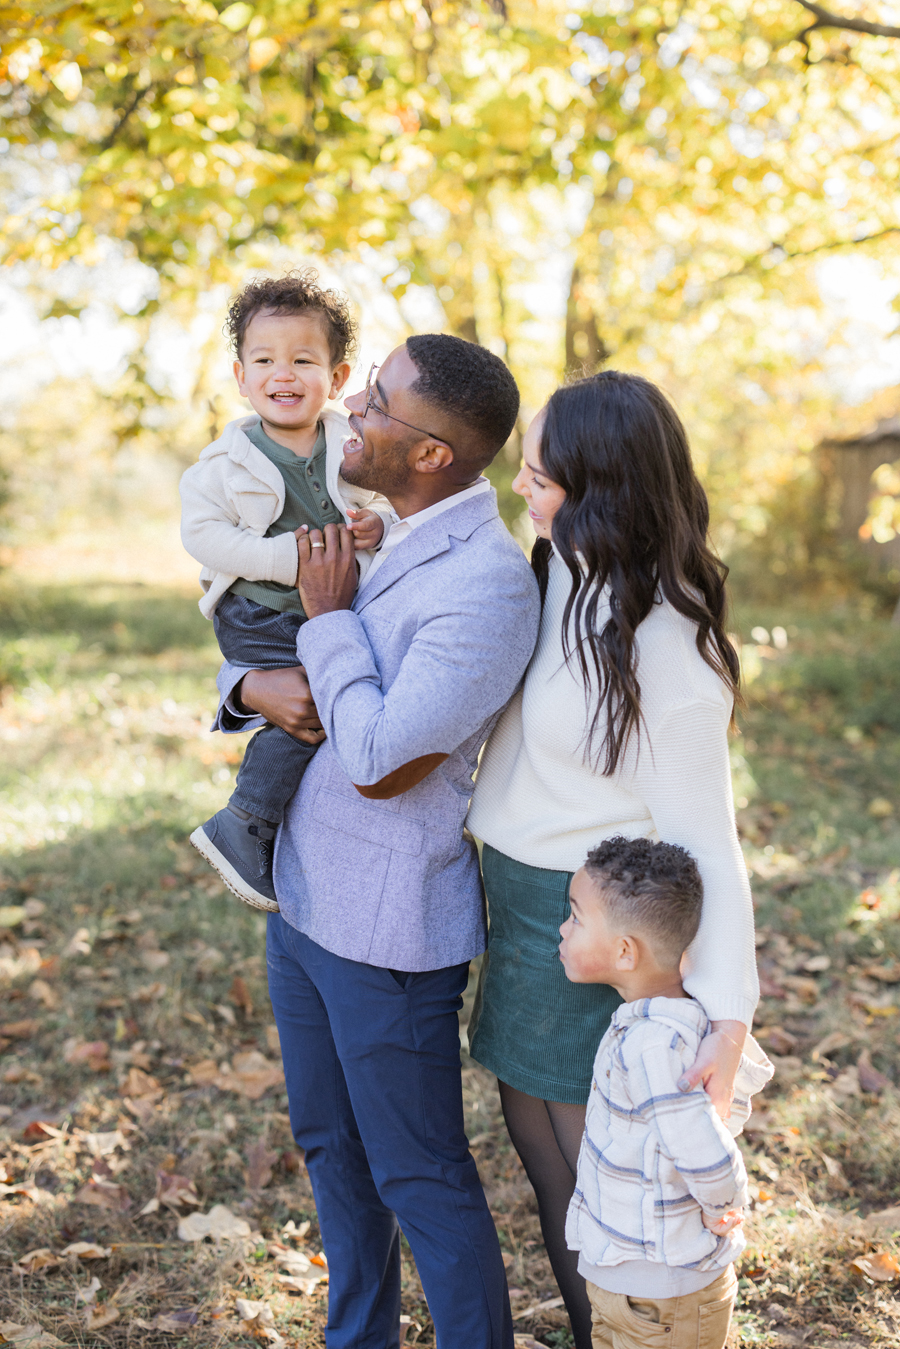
(371,1060)
(274,762)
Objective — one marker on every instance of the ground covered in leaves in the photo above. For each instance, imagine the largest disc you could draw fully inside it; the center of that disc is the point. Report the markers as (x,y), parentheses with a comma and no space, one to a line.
(150,1191)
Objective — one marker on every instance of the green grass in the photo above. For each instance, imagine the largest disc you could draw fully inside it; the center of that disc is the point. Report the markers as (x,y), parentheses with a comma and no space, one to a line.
(106,764)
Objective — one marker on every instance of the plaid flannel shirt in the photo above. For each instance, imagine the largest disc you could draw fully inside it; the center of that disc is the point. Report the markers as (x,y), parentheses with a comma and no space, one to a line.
(653,1158)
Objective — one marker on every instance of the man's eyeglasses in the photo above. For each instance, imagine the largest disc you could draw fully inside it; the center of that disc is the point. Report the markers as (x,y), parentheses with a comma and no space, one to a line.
(370,403)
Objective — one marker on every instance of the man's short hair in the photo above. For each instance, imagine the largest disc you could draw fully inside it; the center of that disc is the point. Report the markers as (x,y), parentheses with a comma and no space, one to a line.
(653,889)
(471,386)
(296,292)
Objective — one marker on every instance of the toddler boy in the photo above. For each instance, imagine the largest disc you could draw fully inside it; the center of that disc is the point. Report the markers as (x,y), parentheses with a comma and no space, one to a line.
(269,478)
(657,1209)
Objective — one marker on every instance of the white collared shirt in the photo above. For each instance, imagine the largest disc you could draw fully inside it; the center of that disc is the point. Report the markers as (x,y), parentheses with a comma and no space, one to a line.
(400,529)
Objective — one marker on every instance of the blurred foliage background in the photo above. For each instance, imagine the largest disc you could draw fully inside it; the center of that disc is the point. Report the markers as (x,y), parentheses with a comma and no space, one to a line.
(704,191)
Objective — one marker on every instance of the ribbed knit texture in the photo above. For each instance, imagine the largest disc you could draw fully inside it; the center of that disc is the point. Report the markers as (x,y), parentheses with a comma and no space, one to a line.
(539,801)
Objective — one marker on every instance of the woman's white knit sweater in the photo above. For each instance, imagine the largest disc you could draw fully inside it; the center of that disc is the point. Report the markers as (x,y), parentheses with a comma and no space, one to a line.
(538,800)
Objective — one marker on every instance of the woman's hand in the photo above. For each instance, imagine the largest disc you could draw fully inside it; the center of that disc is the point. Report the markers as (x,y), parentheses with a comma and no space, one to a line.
(716,1065)
(282,697)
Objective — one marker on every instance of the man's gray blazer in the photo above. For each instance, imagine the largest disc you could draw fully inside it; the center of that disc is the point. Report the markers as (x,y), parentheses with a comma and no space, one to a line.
(432,650)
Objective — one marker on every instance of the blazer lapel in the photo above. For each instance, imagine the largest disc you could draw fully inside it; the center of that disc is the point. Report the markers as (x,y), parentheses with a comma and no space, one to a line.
(428,541)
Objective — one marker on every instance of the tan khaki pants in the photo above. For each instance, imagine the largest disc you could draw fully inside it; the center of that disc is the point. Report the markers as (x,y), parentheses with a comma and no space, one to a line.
(694,1321)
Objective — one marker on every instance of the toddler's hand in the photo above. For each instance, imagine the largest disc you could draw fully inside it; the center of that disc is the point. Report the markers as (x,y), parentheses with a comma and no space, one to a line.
(720,1227)
(366,528)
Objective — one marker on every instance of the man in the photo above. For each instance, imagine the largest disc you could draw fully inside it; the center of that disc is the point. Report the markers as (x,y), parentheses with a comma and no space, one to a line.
(381,907)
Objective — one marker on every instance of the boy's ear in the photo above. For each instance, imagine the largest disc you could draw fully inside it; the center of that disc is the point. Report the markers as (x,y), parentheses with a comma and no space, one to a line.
(238,369)
(339,376)
(626,954)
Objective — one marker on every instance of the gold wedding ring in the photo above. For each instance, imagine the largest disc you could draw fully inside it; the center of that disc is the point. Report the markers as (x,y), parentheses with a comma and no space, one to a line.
(317,545)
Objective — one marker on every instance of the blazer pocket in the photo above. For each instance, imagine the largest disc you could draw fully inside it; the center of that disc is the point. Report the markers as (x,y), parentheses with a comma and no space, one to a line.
(383,828)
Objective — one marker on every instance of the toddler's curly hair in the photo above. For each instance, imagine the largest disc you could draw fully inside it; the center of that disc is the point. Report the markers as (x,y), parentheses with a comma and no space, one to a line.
(296,292)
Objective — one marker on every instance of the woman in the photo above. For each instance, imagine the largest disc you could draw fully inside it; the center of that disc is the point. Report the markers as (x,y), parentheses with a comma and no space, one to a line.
(620,728)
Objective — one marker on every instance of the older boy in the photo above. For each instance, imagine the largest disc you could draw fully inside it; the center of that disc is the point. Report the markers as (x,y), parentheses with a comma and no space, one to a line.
(268,479)
(657,1209)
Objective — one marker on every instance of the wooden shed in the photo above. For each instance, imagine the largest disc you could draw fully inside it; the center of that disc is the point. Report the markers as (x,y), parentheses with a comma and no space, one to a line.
(850,465)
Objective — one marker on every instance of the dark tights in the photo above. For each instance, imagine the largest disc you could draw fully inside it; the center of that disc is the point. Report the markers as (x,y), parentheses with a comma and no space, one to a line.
(547,1137)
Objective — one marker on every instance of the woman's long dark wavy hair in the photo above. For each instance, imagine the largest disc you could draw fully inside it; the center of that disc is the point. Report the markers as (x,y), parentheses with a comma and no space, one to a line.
(635,520)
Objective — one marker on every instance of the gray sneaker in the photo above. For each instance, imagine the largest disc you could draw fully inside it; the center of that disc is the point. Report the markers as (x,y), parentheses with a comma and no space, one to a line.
(239,847)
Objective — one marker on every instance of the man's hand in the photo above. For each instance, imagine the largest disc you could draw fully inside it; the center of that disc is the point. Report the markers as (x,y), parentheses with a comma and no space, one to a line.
(326,570)
(720,1227)
(282,697)
(716,1064)
(367,528)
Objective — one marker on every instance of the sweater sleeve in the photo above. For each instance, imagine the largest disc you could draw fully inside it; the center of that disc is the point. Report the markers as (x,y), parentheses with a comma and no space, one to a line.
(689,1131)
(221,543)
(683,775)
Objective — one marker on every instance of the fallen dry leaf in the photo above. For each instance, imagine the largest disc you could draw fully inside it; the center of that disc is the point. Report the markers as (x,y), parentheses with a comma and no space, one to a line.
(870,1079)
(95,1053)
(27,1191)
(884,1221)
(220,1224)
(88,1294)
(260,1160)
(41,991)
(880,1266)
(845,1084)
(20,1030)
(87,1250)
(140,1085)
(273,1041)
(11,915)
(776,1038)
(836,1040)
(547,1306)
(95,1317)
(102,1144)
(19,1073)
(204,1073)
(240,995)
(150,992)
(175,1323)
(155,960)
(257,1319)
(103,1194)
(252,1075)
(31,1336)
(79,944)
(42,1258)
(174,1190)
(208,960)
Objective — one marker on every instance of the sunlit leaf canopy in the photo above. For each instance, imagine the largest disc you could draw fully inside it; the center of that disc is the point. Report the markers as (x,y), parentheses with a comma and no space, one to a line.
(694,158)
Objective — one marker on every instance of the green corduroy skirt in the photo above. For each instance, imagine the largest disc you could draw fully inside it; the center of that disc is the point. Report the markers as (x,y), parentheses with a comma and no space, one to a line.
(530,1026)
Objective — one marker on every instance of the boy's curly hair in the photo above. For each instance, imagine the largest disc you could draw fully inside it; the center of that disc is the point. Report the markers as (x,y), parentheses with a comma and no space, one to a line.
(296,292)
(653,887)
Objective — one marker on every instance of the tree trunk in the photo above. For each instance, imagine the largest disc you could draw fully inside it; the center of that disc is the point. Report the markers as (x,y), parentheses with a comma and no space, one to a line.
(586,351)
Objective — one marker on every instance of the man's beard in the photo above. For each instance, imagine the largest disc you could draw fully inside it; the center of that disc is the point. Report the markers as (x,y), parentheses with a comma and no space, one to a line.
(390,473)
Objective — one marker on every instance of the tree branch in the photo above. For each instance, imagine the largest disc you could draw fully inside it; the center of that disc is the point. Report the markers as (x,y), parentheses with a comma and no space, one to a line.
(825,19)
(123,117)
(752,264)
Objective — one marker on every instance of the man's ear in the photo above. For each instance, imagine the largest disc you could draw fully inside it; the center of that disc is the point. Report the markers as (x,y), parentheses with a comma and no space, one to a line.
(431,456)
(339,376)
(626,954)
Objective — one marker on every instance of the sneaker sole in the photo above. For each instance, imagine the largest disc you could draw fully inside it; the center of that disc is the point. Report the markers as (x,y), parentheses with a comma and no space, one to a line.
(235,883)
